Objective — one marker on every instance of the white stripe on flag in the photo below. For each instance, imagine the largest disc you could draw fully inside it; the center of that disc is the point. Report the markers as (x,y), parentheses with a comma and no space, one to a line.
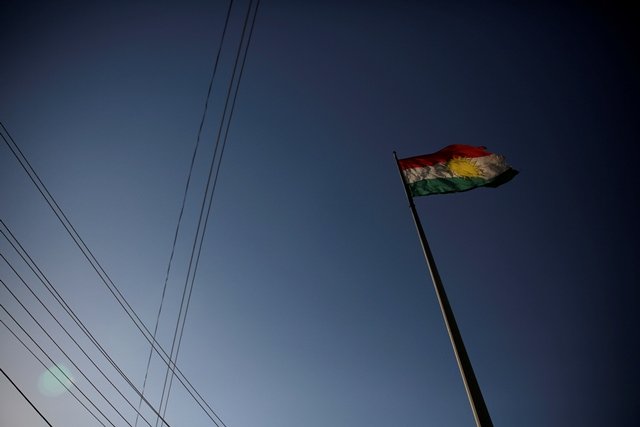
(489,166)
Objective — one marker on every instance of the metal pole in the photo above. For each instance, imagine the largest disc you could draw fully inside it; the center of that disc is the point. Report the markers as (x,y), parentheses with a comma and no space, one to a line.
(480,411)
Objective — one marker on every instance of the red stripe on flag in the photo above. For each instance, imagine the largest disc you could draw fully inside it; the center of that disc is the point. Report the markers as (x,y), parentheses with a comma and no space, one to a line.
(442,156)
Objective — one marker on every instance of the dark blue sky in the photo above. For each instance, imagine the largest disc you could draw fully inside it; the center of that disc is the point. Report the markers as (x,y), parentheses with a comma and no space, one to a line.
(312,305)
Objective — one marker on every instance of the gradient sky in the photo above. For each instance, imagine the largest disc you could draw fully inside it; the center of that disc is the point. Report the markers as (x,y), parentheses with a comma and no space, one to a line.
(312,305)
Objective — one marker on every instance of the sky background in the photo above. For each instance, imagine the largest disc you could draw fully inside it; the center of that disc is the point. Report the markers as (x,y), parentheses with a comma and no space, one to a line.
(312,304)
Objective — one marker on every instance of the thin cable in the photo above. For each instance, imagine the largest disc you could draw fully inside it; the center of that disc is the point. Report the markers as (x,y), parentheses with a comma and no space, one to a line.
(64,353)
(193,392)
(72,339)
(197,247)
(61,371)
(184,197)
(59,213)
(60,300)
(215,181)
(55,376)
(53,291)
(25,397)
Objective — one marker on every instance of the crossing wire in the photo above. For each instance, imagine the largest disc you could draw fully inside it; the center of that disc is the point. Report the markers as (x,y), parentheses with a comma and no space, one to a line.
(25,397)
(65,354)
(102,274)
(55,376)
(56,295)
(60,300)
(184,197)
(17,246)
(211,182)
(71,337)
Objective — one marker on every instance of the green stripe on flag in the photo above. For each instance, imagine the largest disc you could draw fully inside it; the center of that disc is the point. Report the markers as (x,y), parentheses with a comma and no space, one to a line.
(445,185)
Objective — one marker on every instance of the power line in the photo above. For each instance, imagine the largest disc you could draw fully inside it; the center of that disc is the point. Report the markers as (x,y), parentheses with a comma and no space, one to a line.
(72,339)
(63,352)
(184,197)
(25,397)
(209,182)
(60,300)
(193,392)
(55,376)
(64,220)
(166,358)
(15,243)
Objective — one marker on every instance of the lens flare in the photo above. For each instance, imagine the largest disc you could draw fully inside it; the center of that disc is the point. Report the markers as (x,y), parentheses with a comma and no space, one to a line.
(55,381)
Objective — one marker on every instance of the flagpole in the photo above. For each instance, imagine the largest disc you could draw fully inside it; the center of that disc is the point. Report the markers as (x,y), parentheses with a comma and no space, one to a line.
(478,407)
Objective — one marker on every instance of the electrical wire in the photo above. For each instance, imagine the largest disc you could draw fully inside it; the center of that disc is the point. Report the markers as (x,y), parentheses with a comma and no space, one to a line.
(59,213)
(55,376)
(72,339)
(184,197)
(65,354)
(25,397)
(56,295)
(17,246)
(166,358)
(210,181)
(191,390)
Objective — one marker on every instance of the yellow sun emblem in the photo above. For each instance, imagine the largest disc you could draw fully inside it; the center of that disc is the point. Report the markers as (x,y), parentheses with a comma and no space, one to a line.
(464,167)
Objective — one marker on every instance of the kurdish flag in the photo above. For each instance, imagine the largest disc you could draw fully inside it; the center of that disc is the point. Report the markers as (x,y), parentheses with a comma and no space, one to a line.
(454,168)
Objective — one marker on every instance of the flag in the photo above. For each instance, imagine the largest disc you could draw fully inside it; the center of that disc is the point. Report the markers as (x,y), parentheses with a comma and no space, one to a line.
(454,168)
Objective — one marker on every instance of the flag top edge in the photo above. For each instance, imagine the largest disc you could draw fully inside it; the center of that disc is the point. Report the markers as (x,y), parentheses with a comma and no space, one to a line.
(443,155)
